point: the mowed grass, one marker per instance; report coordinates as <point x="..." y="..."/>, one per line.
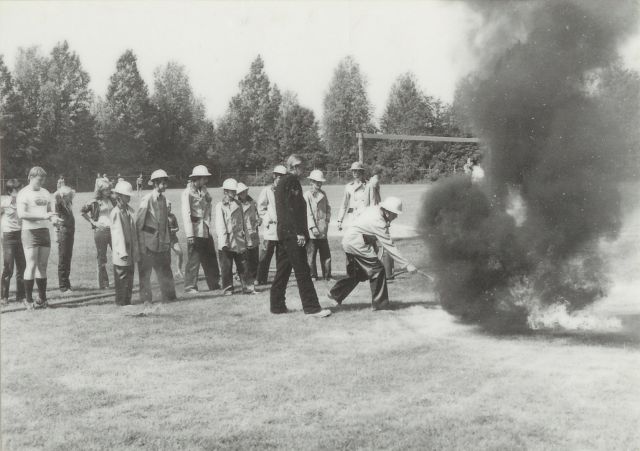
<point x="213" y="372"/>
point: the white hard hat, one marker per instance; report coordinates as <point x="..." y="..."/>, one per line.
<point x="241" y="187"/>
<point x="356" y="166"/>
<point x="392" y="204"/>
<point x="159" y="174"/>
<point x="280" y="170"/>
<point x="200" y="171"/>
<point x="230" y="184"/>
<point x="123" y="187"/>
<point x="317" y="176"/>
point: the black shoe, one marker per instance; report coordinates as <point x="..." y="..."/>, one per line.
<point x="280" y="312"/>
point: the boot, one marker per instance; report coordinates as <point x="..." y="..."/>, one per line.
<point x="28" y="293"/>
<point x="42" y="292"/>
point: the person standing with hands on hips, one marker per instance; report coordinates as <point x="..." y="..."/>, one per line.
<point x="152" y="227"/>
<point x="293" y="233"/>
<point x="197" y="220"/>
<point x="318" y="217"/>
<point x="353" y="200"/>
<point x="97" y="212"/>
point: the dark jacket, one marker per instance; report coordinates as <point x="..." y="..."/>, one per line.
<point x="291" y="208"/>
<point x="68" y="221"/>
<point x="92" y="208"/>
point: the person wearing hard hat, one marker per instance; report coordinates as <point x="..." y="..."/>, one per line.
<point x="252" y="222"/>
<point x="318" y="217"/>
<point x="232" y="244"/>
<point x="269" y="220"/>
<point x="354" y="196"/>
<point x="362" y="259"/>
<point x="154" y="240"/>
<point x="124" y="243"/>
<point x="293" y="233"/>
<point x="197" y="217"/>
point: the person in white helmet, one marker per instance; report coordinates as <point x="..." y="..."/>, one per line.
<point x="197" y="218"/>
<point x="232" y="244"/>
<point x="269" y="220"/>
<point x="293" y="233"/>
<point x="353" y="200"/>
<point x="252" y="222"/>
<point x="362" y="259"/>
<point x="124" y="242"/>
<point x="154" y="240"/>
<point x="318" y="217"/>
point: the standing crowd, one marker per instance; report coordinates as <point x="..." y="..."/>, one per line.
<point x="284" y="221"/>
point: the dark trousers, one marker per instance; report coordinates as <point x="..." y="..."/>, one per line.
<point x="360" y="269"/>
<point x="291" y="256"/>
<point x="253" y="256"/>
<point x="265" y="260"/>
<point x="102" y="239"/>
<point x="13" y="253"/>
<point x="313" y="247"/>
<point x="202" y="252"/>
<point x="123" y="279"/>
<point x="65" y="252"/>
<point x="160" y="262"/>
<point x="227" y="258"/>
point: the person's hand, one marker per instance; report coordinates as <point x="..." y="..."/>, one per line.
<point x="411" y="269"/>
<point x="315" y="231"/>
<point x="125" y="258"/>
<point x="259" y="222"/>
<point x="190" y="240"/>
<point x="301" y="240"/>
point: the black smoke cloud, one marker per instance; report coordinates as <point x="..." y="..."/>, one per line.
<point x="551" y="146"/>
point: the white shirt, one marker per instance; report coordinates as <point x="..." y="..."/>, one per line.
<point x="35" y="202"/>
<point x="10" y="221"/>
<point x="371" y="222"/>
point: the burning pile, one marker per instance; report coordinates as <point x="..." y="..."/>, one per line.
<point x="527" y="236"/>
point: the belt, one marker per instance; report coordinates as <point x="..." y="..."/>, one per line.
<point x="350" y="210"/>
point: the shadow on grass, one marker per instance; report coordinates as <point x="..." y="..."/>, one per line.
<point x="393" y="307"/>
<point x="627" y="337"/>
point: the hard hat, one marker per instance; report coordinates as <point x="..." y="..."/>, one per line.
<point x="159" y="174"/>
<point x="241" y="187"/>
<point x="392" y="204"/>
<point x="200" y="171"/>
<point x="280" y="170"/>
<point x="317" y="175"/>
<point x="123" y="188"/>
<point x="356" y="166"/>
<point x="230" y="184"/>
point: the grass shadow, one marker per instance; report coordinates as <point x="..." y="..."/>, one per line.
<point x="393" y="307"/>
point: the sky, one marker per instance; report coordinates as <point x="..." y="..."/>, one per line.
<point x="300" y="42"/>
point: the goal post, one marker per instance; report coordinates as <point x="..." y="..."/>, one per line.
<point x="389" y="137"/>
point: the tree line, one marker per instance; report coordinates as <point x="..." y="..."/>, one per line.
<point x="50" y="117"/>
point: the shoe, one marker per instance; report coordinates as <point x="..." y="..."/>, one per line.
<point x="329" y="279"/>
<point x="228" y="292"/>
<point x="383" y="306"/>
<point x="4" y="301"/>
<point x="250" y="291"/>
<point x="315" y="279"/>
<point x="280" y="312"/>
<point x="321" y="314"/>
<point x="28" y="305"/>
<point x="39" y="305"/>
<point x="191" y="291"/>
<point x="333" y="300"/>
<point x="216" y="287"/>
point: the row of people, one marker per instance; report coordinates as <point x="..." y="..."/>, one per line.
<point x="237" y="219"/>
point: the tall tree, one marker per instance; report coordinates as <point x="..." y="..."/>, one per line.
<point x="180" y="117"/>
<point x="127" y="122"/>
<point x="246" y="133"/>
<point x="298" y="131"/>
<point x="12" y="139"/>
<point x="346" y="111"/>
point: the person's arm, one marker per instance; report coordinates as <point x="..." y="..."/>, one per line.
<point x="328" y="209"/>
<point x="385" y="240"/>
<point x="263" y="207"/>
<point x="310" y="218"/>
<point x="345" y="205"/>
<point x="221" y="229"/>
<point x="185" y="207"/>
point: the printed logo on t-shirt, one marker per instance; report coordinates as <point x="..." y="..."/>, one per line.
<point x="41" y="202"/>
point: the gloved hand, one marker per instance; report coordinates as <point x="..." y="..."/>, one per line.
<point x="411" y="269"/>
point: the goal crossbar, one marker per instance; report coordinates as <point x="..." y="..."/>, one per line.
<point x="389" y="137"/>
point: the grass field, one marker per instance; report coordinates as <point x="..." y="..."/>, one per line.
<point x="214" y="372"/>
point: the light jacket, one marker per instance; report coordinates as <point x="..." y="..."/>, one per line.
<point x="124" y="239"/>
<point x="372" y="192"/>
<point x="148" y="224"/>
<point x="318" y="213"/>
<point x="370" y="226"/>
<point x="230" y="228"/>
<point x="353" y="199"/>
<point x="197" y="212"/>
<point x="250" y="210"/>
<point x="267" y="211"/>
